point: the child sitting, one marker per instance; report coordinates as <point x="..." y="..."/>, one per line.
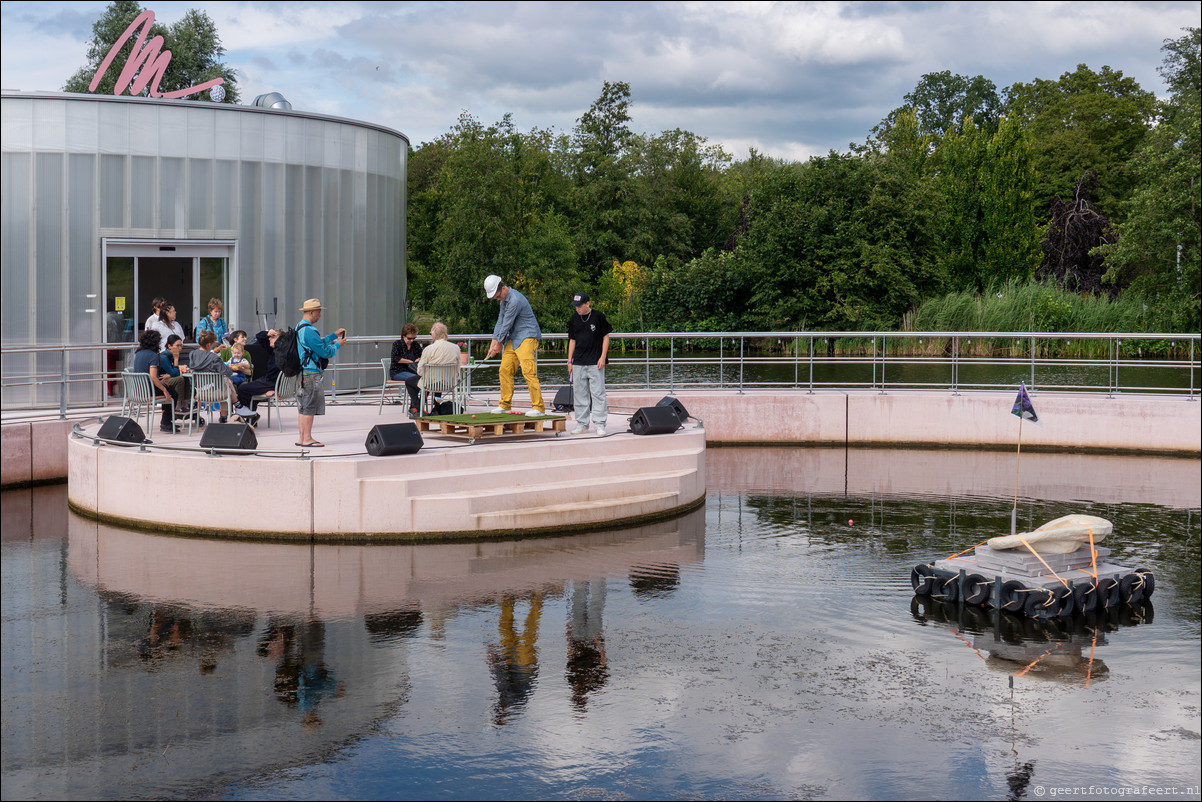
<point x="239" y="363"/>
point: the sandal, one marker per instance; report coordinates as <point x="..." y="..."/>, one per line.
<point x="314" y="444"/>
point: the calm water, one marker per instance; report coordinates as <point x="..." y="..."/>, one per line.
<point x="764" y="647"/>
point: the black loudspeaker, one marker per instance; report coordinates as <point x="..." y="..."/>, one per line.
<point x="677" y="407"/>
<point x="387" y="439"/>
<point x="123" y="430"/>
<point x="229" y="435"/>
<point x="654" y="420"/>
<point x="563" y="400"/>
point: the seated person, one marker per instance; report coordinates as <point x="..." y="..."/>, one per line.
<point x="439" y="352"/>
<point x="405" y="354"/>
<point x="245" y="370"/>
<point x="239" y="362"/>
<point x="146" y="360"/>
<point x="175" y="375"/>
<point x="203" y="360"/>
<point x="264" y="385"/>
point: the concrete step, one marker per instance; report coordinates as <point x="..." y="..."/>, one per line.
<point x="501" y="474"/>
<point x="576" y="513"/>
<point x="431" y="510"/>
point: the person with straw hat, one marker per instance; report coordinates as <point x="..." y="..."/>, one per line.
<point x="313" y="349"/>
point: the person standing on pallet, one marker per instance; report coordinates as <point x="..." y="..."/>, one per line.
<point x="315" y="351"/>
<point x="588" y="349"/>
<point x="515" y="337"/>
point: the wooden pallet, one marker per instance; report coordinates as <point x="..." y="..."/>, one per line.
<point x="509" y="428"/>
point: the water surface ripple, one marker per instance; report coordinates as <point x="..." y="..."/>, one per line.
<point x="767" y="646"/>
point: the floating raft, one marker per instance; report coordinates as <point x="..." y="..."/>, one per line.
<point x="492" y="425"/>
<point x="1019" y="582"/>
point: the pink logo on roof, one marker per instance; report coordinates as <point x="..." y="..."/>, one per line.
<point x="146" y="65"/>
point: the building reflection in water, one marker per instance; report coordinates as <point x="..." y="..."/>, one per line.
<point x="241" y="658"/>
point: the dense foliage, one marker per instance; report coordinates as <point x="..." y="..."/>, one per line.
<point x="1081" y="185"/>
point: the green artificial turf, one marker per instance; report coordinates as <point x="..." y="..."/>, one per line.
<point x="488" y="417"/>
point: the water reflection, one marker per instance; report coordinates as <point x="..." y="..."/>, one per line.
<point x="766" y="646"/>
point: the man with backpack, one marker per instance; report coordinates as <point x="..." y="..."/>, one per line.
<point x="315" y="351"/>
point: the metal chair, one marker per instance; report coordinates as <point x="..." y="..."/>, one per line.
<point x="441" y="380"/>
<point x="285" y="392"/>
<point x="386" y="363"/>
<point x="139" y="391"/>
<point x="207" y="388"/>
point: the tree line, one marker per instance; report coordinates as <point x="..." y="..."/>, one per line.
<point x="1087" y="184"/>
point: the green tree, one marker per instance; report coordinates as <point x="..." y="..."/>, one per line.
<point x="941" y="101"/>
<point x="601" y="209"/>
<point x="1084" y="121"/>
<point x="1159" y="248"/>
<point x="986" y="184"/>
<point x="195" y="46"/>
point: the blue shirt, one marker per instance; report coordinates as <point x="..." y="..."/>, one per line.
<point x="165" y="366"/>
<point x="220" y="328"/>
<point x="516" y="320"/>
<point x="313" y="346"/>
<point x="145" y="359"/>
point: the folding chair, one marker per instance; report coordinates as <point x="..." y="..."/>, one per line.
<point x="139" y="391"/>
<point x="386" y="363"/>
<point x="442" y="380"/>
<point x="285" y="392"/>
<point x="207" y="388"/>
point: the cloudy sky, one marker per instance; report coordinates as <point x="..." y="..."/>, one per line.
<point x="789" y="79"/>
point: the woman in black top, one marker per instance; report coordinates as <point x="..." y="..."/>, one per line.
<point x="405" y="355"/>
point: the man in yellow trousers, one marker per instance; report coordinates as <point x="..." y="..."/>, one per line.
<point x="515" y="337"/>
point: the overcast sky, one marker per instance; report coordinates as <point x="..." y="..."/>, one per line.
<point x="790" y="79"/>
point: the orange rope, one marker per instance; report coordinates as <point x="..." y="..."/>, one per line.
<point x="1033" y="663"/>
<point x="970" y="548"/>
<point x="1093" y="556"/>
<point x="1023" y="540"/>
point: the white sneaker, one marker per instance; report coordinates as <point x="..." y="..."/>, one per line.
<point x="534" y="413"/>
<point x="600" y="431"/>
<point x="245" y="412"/>
<point x="498" y="410"/>
<point x="580" y="430"/>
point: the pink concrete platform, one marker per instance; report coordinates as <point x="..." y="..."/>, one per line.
<point x="539" y="483"/>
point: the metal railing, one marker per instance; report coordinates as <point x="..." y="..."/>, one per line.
<point x="62" y="378"/>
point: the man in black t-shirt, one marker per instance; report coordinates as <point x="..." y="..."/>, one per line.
<point x="588" y="349"/>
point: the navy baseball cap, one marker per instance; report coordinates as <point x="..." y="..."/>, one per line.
<point x="580" y="298"/>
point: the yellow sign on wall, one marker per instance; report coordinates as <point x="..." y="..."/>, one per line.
<point x="119" y="303"/>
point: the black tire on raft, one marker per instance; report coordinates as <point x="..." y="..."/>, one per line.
<point x="1012" y="597"/>
<point x="1108" y="592"/>
<point x="1131" y="589"/>
<point x="946" y="590"/>
<point x="1085" y="596"/>
<point x="1064" y="597"/>
<point x="1149" y="581"/>
<point x="1041" y="603"/>
<point x="976" y="589"/>
<point x="922" y="579"/>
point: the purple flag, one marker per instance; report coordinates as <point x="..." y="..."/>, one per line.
<point x="1023" y="407"/>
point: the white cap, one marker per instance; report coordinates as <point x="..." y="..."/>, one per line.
<point x="491" y="285"/>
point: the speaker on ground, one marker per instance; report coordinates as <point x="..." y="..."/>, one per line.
<point x="677" y="407"/>
<point x="123" y="430"/>
<point x="237" y="436"/>
<point x="654" y="420"/>
<point x="387" y="439"/>
<point x="563" y="400"/>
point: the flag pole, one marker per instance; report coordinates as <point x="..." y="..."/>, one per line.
<point x="1017" y="458"/>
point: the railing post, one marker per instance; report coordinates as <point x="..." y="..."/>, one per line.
<point x="672" y="363"/>
<point x="62" y="384"/>
<point x="647" y="362"/>
<point x="955" y="364"/>
<point x="742" y="340"/>
<point x="884" y="342"/>
<point x="811" y="365"/>
<point x="1032" y="361"/>
<point x="721" y="362"/>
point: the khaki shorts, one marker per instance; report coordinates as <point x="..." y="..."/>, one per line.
<point x="311" y="394"/>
